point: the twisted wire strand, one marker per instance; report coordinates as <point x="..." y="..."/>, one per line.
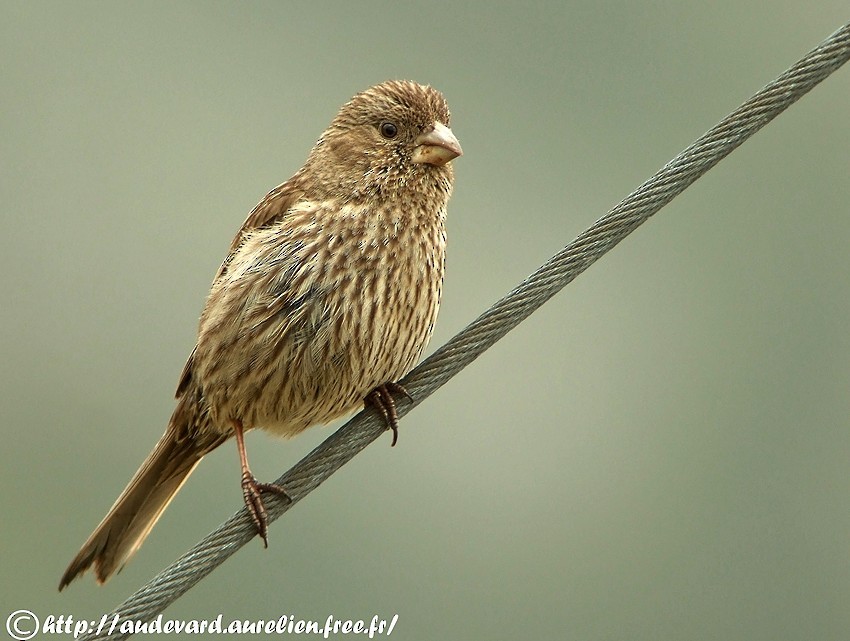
<point x="494" y="323"/>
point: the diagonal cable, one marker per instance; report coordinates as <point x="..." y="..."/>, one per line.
<point x="493" y="324"/>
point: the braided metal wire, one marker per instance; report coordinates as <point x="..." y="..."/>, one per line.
<point x="494" y="323"/>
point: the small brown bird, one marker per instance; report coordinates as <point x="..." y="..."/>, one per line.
<point x="328" y="296"/>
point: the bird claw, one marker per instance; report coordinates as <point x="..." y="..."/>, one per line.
<point x="252" y="494"/>
<point x="382" y="398"/>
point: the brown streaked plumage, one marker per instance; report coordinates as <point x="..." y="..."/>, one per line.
<point x="328" y="296"/>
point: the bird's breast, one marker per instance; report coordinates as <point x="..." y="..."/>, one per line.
<point x="388" y="267"/>
<point x="317" y="311"/>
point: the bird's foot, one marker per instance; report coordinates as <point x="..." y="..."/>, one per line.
<point x="382" y="398"/>
<point x="252" y="492"/>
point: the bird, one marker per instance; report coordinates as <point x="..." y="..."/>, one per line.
<point x="327" y="297"/>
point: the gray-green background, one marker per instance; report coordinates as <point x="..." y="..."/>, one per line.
<point x="662" y="452"/>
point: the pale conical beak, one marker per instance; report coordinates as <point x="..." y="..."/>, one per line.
<point x="436" y="146"/>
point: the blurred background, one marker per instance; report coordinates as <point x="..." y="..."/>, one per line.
<point x="661" y="452"/>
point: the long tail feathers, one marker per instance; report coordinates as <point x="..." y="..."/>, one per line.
<point x="137" y="509"/>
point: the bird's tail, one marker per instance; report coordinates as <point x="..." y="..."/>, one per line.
<point x="137" y="509"/>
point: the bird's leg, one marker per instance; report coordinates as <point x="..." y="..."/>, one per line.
<point x="382" y="398"/>
<point x="252" y="489"/>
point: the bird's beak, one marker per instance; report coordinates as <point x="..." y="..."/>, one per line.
<point x="436" y="146"/>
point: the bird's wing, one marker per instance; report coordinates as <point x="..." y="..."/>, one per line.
<point x="271" y="208"/>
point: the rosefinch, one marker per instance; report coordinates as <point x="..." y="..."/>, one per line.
<point x="328" y="295"/>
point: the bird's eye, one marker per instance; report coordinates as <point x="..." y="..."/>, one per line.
<point x="388" y="130"/>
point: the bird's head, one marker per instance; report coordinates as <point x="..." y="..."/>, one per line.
<point x="388" y="140"/>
